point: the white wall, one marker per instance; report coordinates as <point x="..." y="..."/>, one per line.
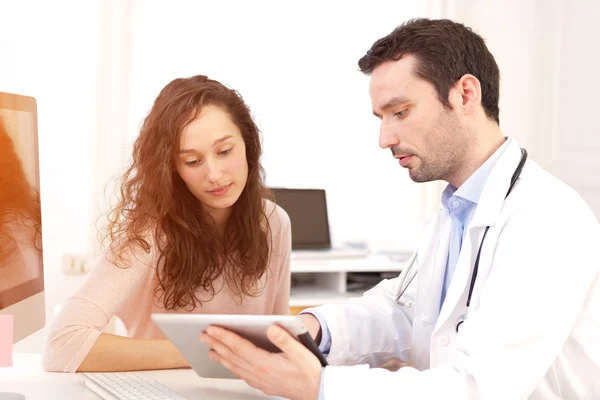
<point x="549" y="91"/>
<point x="296" y="66"/>
<point x="575" y="137"/>
<point x="48" y="50"/>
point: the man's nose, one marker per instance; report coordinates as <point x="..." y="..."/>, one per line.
<point x="387" y="137"/>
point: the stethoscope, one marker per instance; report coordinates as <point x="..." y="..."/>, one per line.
<point x="409" y="273"/>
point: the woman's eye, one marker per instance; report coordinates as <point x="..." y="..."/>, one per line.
<point x="225" y="152"/>
<point x="192" y="163"/>
<point x="400" y="114"/>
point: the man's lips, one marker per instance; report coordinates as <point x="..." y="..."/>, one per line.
<point x="404" y="159"/>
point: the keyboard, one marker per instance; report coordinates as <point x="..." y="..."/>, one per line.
<point x="128" y="386"/>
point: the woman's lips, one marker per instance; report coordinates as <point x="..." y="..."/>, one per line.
<point x="220" y="191"/>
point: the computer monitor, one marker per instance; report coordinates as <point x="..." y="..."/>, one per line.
<point x="307" y="209"/>
<point x="21" y="264"/>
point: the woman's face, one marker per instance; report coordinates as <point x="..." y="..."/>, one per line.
<point x="212" y="161"/>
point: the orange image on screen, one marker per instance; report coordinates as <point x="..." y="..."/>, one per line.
<point x="20" y="225"/>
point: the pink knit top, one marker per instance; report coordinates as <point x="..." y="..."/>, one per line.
<point x="129" y="294"/>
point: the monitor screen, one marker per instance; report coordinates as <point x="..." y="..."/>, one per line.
<point x="21" y="266"/>
<point x="307" y="209"/>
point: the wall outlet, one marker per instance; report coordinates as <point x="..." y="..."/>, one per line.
<point x="76" y="264"/>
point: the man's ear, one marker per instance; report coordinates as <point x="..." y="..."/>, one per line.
<point x="466" y="94"/>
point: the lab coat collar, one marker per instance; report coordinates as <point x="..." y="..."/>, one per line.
<point x="495" y="188"/>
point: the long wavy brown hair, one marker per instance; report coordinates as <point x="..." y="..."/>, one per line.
<point x="155" y="200"/>
<point x="19" y="200"/>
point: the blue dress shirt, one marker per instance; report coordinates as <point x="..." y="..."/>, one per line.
<point x="461" y="204"/>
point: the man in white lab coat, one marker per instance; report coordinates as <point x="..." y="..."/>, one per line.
<point x="515" y="315"/>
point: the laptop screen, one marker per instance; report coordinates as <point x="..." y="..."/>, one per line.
<point x="307" y="209"/>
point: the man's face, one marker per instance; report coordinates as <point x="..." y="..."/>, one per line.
<point x="427" y="138"/>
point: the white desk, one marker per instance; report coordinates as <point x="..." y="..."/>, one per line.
<point x="325" y="279"/>
<point x="27" y="377"/>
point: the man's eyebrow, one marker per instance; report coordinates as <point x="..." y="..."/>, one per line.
<point x="393" y="102"/>
<point x="216" y="142"/>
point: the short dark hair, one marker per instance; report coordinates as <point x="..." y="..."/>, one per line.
<point x="445" y="51"/>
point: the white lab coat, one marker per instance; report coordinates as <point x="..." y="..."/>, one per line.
<point x="533" y="328"/>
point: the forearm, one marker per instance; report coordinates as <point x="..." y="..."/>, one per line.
<point x="117" y="353"/>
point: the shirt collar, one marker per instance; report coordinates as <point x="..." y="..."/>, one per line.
<point x="473" y="187"/>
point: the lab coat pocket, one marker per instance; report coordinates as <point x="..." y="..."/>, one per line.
<point x="421" y="342"/>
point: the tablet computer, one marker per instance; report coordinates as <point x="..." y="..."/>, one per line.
<point x="184" y="330"/>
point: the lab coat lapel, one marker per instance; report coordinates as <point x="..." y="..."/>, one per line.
<point x="458" y="290"/>
<point x="433" y="254"/>
<point x="432" y="262"/>
<point x="487" y="212"/>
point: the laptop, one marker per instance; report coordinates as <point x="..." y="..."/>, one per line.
<point x="311" y="238"/>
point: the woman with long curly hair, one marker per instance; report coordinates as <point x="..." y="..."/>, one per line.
<point x="193" y="232"/>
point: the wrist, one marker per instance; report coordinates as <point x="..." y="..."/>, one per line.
<point x="315" y="394"/>
<point x="313" y="326"/>
<point x="319" y="336"/>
